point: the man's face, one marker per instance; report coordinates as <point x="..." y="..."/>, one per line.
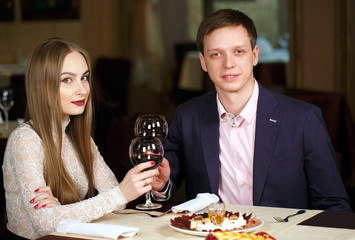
<point x="229" y="59"/>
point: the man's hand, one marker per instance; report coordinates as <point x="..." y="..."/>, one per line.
<point x="162" y="178"/>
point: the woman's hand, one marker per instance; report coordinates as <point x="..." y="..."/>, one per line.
<point x="44" y="198"/>
<point x="137" y="181"/>
<point x="163" y="177"/>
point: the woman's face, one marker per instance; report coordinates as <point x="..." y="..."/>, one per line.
<point x="74" y="85"/>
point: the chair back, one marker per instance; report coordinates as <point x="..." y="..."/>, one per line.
<point x="119" y="137"/>
<point x="112" y="76"/>
<point x="17" y="83"/>
<point x="339" y="123"/>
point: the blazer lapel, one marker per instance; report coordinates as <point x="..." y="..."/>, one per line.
<point x="267" y="125"/>
<point x="209" y="127"/>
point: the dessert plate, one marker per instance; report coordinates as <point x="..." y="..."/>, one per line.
<point x="205" y="233"/>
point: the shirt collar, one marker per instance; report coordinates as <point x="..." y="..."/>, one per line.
<point x="249" y="111"/>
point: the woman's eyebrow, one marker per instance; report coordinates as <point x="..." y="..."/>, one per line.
<point x="69" y="73"/>
<point x="74" y="74"/>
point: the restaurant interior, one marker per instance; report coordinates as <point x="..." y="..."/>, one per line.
<point x="145" y="60"/>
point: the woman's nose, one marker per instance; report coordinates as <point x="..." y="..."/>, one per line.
<point x="81" y="89"/>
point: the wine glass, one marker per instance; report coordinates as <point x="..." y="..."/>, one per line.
<point x="6" y="102"/>
<point x="151" y="125"/>
<point x="146" y="149"/>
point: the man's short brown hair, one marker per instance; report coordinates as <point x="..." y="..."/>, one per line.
<point x="224" y="18"/>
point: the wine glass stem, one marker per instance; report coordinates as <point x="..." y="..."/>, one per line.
<point x="148" y="201"/>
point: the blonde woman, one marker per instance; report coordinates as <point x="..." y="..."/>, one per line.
<point x="52" y="168"/>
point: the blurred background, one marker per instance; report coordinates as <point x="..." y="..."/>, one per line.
<point x="145" y="59"/>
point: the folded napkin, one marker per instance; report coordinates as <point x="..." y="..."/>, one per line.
<point x="95" y="229"/>
<point x="202" y="201"/>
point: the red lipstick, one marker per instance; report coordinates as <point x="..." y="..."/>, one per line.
<point x="79" y="103"/>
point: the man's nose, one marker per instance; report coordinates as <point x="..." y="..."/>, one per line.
<point x="229" y="61"/>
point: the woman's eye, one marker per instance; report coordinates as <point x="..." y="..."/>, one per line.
<point x="85" y="78"/>
<point x="66" y="80"/>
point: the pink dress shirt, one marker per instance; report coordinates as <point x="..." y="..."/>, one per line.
<point x="236" y="140"/>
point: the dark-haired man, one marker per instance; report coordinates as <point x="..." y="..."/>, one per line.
<point x="244" y="143"/>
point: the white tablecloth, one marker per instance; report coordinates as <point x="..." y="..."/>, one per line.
<point x="157" y="228"/>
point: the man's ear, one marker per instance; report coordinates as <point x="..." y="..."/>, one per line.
<point x="202" y="61"/>
<point x="255" y="55"/>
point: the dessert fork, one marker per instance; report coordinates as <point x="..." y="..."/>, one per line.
<point x="150" y="213"/>
<point x="279" y="219"/>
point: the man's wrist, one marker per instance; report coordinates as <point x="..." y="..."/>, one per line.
<point x="164" y="193"/>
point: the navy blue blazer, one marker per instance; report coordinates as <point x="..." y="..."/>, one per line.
<point x="294" y="162"/>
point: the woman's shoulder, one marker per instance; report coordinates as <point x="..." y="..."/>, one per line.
<point x="22" y="143"/>
<point x="25" y="132"/>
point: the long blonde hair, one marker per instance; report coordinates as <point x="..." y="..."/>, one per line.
<point x="44" y="110"/>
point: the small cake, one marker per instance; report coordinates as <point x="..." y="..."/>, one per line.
<point x="238" y="235"/>
<point x="205" y="224"/>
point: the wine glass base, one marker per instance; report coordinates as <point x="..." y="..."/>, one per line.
<point x="151" y="206"/>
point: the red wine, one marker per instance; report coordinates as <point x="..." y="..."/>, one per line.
<point x="141" y="158"/>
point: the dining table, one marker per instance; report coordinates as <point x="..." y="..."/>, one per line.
<point x="313" y="224"/>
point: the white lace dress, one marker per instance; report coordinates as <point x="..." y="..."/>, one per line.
<point x="23" y="173"/>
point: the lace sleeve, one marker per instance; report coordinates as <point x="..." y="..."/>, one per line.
<point x="23" y="173"/>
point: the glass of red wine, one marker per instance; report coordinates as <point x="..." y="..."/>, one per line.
<point x="151" y="125"/>
<point x="146" y="149"/>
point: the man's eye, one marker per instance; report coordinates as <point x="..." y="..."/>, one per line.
<point x="66" y="80"/>
<point x="215" y="54"/>
<point x="239" y="52"/>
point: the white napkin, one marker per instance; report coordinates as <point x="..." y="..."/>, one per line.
<point x="202" y="200"/>
<point x="96" y="229"/>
